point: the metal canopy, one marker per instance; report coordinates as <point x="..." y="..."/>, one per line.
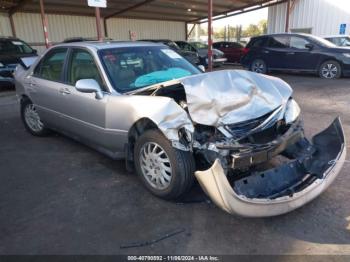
<point x="192" y="11"/>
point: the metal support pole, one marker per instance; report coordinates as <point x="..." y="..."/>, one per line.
<point x="12" y="23"/>
<point x="210" y="32"/>
<point x="98" y="24"/>
<point x="287" y="16"/>
<point x="190" y="32"/>
<point x="105" y="27"/>
<point x="44" y="23"/>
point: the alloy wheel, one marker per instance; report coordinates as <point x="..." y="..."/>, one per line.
<point x="155" y="165"/>
<point x="329" y="70"/>
<point x="32" y="118"/>
<point x="258" y="67"/>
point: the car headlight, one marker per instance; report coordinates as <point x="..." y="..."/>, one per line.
<point x="1" y="65"/>
<point x="346" y="55"/>
<point x="292" y="111"/>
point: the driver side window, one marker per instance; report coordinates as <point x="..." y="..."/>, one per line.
<point x="82" y="66"/>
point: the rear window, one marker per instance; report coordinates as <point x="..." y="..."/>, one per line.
<point x="279" y="42"/>
<point x="257" y="42"/>
<point x="14" y="47"/>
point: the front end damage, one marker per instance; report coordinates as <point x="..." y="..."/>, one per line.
<point x="310" y="170"/>
<point x="247" y="138"/>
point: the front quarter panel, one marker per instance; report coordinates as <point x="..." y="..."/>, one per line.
<point x="124" y="110"/>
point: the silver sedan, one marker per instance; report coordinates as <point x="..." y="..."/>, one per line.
<point x="173" y="124"/>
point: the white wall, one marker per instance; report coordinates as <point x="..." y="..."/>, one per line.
<point x="322" y="16"/>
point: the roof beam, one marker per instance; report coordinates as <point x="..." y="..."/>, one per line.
<point x="18" y="6"/>
<point x="128" y="8"/>
<point x="260" y="5"/>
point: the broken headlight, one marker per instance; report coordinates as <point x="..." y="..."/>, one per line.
<point x="292" y="111"/>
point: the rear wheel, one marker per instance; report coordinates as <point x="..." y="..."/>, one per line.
<point x="259" y="66"/>
<point x="166" y="171"/>
<point x="330" y="70"/>
<point x="31" y="119"/>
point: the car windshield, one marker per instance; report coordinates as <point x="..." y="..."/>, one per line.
<point x="14" y="47"/>
<point x="340" y="41"/>
<point x="321" y="41"/>
<point x="132" y="68"/>
<point x="199" y="45"/>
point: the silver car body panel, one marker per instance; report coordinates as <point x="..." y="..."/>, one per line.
<point x="233" y="96"/>
<point x="215" y="184"/>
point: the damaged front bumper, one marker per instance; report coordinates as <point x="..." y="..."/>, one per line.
<point x="284" y="188"/>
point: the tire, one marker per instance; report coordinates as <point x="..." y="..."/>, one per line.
<point x="178" y="166"/>
<point x="31" y="119"/>
<point x="330" y="70"/>
<point x="258" y="66"/>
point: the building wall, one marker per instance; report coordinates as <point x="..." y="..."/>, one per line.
<point x="119" y="28"/>
<point x="323" y="17"/>
<point x="29" y="28"/>
<point x="5" y="27"/>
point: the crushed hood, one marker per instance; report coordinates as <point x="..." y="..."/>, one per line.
<point x="233" y="96"/>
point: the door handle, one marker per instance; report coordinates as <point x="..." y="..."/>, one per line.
<point x="64" y="91"/>
<point x="290" y="53"/>
<point x="266" y="52"/>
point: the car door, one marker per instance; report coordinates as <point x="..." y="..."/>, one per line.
<point x="276" y="52"/>
<point x="84" y="114"/>
<point x="300" y="57"/>
<point x="45" y="85"/>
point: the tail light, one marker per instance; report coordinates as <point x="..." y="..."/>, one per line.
<point x="245" y="50"/>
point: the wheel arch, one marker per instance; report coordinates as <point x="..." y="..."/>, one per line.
<point x="325" y="59"/>
<point x="135" y="131"/>
<point x="23" y="98"/>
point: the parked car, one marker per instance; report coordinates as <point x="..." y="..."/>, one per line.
<point x="84" y="39"/>
<point x="171" y="122"/>
<point x="11" y="51"/>
<point x="192" y="57"/>
<point x="233" y="51"/>
<point x="339" y="40"/>
<point x="296" y="52"/>
<point x="202" y="51"/>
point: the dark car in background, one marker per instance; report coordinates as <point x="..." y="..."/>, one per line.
<point x="233" y="50"/>
<point x="296" y="52"/>
<point x="339" y="40"/>
<point x="190" y="56"/>
<point x="13" y="51"/>
<point x="202" y="51"/>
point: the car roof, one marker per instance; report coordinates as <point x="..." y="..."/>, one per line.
<point x="282" y="34"/>
<point x="333" y="36"/>
<point x="99" y="45"/>
<point x="8" y="38"/>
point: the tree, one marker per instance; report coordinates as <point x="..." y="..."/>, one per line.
<point x="263" y="26"/>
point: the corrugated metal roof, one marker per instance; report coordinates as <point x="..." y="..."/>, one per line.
<point x="175" y="10"/>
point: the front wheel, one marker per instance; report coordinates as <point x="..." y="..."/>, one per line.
<point x="330" y="70"/>
<point x="31" y="119"/>
<point x="165" y="171"/>
<point x="259" y="66"/>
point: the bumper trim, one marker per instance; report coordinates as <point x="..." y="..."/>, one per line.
<point x="217" y="187"/>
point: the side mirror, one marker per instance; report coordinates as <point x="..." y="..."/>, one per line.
<point x="202" y="68"/>
<point x="34" y="51"/>
<point x="89" y="86"/>
<point x="309" y="46"/>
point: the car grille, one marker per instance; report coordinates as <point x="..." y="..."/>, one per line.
<point x="241" y="130"/>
